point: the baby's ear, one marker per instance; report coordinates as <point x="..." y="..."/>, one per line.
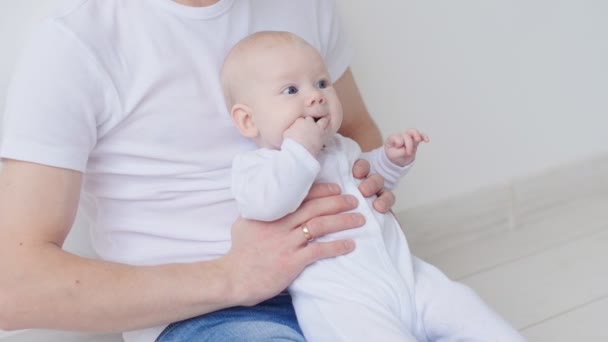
<point x="241" y="116"/>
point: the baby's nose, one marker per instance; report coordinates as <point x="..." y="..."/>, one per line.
<point x="316" y="98"/>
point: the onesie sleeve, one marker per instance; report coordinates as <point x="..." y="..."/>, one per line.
<point x="56" y="100"/>
<point x="378" y="160"/>
<point x="380" y="164"/>
<point x="334" y="44"/>
<point x="269" y="184"/>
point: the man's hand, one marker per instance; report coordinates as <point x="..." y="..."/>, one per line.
<point x="373" y="186"/>
<point x="308" y="133"/>
<point x="401" y="147"/>
<point x="266" y="257"/>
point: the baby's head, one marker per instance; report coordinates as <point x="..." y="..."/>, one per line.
<point x="271" y="79"/>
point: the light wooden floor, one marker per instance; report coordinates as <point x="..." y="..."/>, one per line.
<point x="542" y="264"/>
<point x="548" y="276"/>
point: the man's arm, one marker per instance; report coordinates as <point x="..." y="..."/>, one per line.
<point x="357" y="124"/>
<point x="43" y="286"/>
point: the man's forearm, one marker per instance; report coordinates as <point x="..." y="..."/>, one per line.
<point x="366" y="134"/>
<point x="50" y="288"/>
<point x="357" y="123"/>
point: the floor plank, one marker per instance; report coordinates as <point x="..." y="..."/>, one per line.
<point x="530" y="290"/>
<point x="586" y="323"/>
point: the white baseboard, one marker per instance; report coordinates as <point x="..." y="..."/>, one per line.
<point x="513" y="205"/>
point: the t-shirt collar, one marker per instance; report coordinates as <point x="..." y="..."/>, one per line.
<point x="207" y="12"/>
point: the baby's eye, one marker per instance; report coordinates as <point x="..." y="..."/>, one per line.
<point x="322" y="84"/>
<point x="290" y="90"/>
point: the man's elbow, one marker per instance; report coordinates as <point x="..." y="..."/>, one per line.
<point x="7" y="310"/>
<point x="13" y="295"/>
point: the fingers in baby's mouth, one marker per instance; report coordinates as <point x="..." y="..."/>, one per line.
<point x="322" y="122"/>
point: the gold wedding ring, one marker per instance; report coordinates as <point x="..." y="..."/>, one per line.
<point x="307" y="234"/>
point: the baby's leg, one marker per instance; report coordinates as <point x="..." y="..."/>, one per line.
<point x="361" y="296"/>
<point x="344" y="321"/>
<point x="450" y="311"/>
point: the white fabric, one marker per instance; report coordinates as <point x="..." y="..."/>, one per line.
<point x="128" y="92"/>
<point x="269" y="184"/>
<point x="379" y="292"/>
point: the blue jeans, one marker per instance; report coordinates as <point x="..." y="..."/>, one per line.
<point x="272" y="320"/>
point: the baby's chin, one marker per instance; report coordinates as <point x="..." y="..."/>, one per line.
<point x="261" y="143"/>
<point x="334" y="126"/>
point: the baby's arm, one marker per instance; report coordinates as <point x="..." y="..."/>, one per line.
<point x="269" y="184"/>
<point x="393" y="160"/>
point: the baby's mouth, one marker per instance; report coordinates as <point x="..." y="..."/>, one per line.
<point x="320" y="117"/>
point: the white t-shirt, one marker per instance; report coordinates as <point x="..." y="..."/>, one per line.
<point x="128" y="92"/>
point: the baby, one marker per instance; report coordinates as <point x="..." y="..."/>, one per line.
<point x="279" y="94"/>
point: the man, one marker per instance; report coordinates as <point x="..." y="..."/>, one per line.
<point x="120" y="101"/>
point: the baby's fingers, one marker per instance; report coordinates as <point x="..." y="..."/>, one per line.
<point x="408" y="141"/>
<point x="395" y="140"/>
<point x="323" y="123"/>
<point x="415" y="134"/>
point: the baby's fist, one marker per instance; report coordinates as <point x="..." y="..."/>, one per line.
<point x="401" y="147"/>
<point x="308" y="133"/>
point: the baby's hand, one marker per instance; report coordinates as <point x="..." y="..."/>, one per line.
<point x="308" y="133"/>
<point x="401" y="148"/>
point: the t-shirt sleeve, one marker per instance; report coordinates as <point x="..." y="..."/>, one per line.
<point x="56" y="100"/>
<point x="334" y="44"/>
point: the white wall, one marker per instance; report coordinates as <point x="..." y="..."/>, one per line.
<point x="504" y="88"/>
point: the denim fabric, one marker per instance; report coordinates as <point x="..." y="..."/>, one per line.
<point x="272" y="320"/>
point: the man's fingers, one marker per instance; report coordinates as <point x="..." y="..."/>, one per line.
<point x="323" y="225"/>
<point x="361" y="169"/>
<point x="322" y="250"/>
<point x="320" y="207"/>
<point x="372" y="185"/>
<point x="319" y="190"/>
<point x="384" y="202"/>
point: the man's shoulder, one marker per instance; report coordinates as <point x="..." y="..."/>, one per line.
<point x="67" y="8"/>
